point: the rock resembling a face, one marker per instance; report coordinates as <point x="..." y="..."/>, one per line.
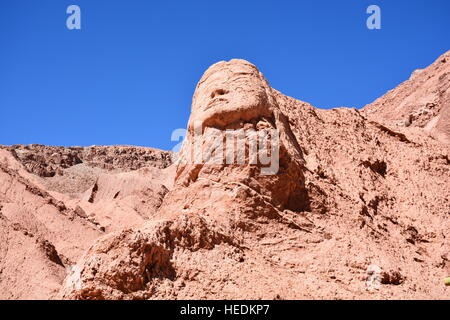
<point x="229" y="92"/>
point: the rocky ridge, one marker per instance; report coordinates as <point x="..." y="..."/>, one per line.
<point x="358" y="208"/>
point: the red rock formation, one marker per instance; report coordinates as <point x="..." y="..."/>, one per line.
<point x="46" y="219"/>
<point x="423" y="101"/>
<point x="354" y="207"/>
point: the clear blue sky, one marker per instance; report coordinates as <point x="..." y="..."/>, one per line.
<point x="127" y="77"/>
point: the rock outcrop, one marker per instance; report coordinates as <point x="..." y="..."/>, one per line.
<point x="423" y="101"/>
<point x="269" y="198"/>
<point x="49" y="220"/>
<point x="47" y="161"/>
<point x="348" y="195"/>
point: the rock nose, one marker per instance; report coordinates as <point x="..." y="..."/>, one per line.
<point x="229" y="92"/>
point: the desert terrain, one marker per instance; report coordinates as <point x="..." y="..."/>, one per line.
<point x="358" y="208"/>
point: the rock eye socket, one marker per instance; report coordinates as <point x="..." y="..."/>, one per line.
<point x="218" y="92"/>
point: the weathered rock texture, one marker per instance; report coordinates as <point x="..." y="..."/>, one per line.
<point x="359" y="208"/>
<point x="55" y="202"/>
<point x="423" y="101"/>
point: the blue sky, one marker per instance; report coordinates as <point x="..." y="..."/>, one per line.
<point x="127" y="77"/>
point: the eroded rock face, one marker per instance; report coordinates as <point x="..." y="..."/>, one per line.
<point x="134" y="264"/>
<point x="353" y="208"/>
<point x="234" y="197"/>
<point x="343" y="198"/>
<point x="47" y="161"/>
<point x="56" y="201"/>
<point x="423" y="101"/>
<point x="230" y="92"/>
<point x="246" y="112"/>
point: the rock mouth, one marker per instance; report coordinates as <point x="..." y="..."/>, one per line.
<point x="215" y="102"/>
